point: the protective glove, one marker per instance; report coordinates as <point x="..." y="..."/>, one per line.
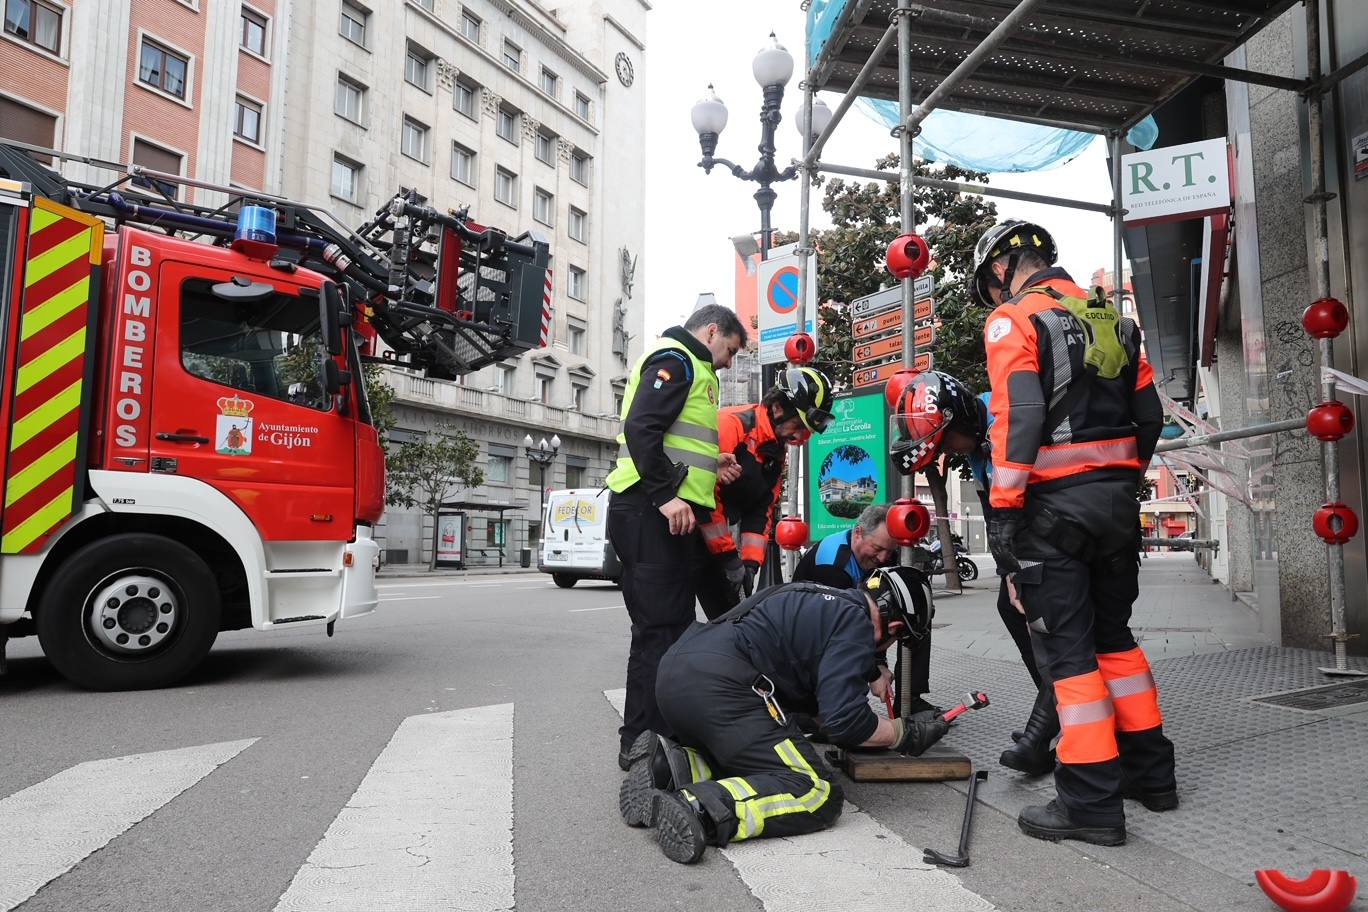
<point x="913" y="737"/>
<point x="748" y="583"/>
<point x="1002" y="533"/>
<point x="735" y="573"/>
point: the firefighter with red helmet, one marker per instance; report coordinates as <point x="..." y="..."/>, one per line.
<point x="1075" y="422"/>
<point x="759" y="435"/>
<point x="937" y="414"/>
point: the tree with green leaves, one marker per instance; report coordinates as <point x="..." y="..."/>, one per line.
<point x="424" y="473"/>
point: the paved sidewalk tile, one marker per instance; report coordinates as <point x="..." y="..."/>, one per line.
<point x="1261" y="785"/>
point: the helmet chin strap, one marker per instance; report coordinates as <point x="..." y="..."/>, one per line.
<point x="1009" y="275"/>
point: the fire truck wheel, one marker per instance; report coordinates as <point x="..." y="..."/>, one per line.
<point x="564" y="580"/>
<point x="129" y="612"/>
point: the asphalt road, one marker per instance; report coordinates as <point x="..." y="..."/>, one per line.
<point x="284" y="727"/>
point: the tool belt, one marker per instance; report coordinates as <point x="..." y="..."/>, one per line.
<point x="1063" y="533"/>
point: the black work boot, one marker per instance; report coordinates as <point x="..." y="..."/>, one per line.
<point x="684" y="825"/>
<point x="1052" y="822"/>
<point x="1157" y="800"/>
<point x="657" y="764"/>
<point x="1031" y="754"/>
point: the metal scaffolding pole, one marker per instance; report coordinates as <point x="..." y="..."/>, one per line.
<point x="1116" y="218"/>
<point x="1254" y="430"/>
<point x="906" y="190"/>
<point x="870" y="65"/>
<point x="805" y="277"/>
<point x="936" y="183"/>
<point x="986" y="48"/>
<point x="1320" y="269"/>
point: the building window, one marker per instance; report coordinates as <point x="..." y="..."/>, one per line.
<point x="413" y="142"/>
<point x="504" y="381"/>
<point x="156" y="158"/>
<point x="506" y="187"/>
<point x="550" y="82"/>
<point x="416" y="66"/>
<point x="579" y="226"/>
<point x="512" y="56"/>
<point x="162" y="69"/>
<point x="349" y="101"/>
<point x="582" y="106"/>
<point x="546" y="148"/>
<point x="578" y="393"/>
<point x="507" y="126"/>
<point x="579" y="168"/>
<point x="247" y="124"/>
<point x="545" y="387"/>
<point x="574" y="475"/>
<point x="462" y="164"/>
<point x="346" y="179"/>
<point x="577" y="283"/>
<point x="544" y="207"/>
<point x="253" y="32"/>
<point x="425" y="4"/>
<point x="354" y="20"/>
<point x="576" y="330"/>
<point x="500" y="469"/>
<point x="18" y="121"/>
<point x="37" y="23"/>
<point x="463" y="98"/>
<point x="470" y="26"/>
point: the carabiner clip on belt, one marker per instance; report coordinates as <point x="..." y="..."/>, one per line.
<point x="764" y="689"/>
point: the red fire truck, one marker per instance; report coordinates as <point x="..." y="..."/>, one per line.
<point x="186" y="441"/>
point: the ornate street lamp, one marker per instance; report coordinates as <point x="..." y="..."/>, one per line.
<point x="773" y="68"/>
<point x="543" y="454"/>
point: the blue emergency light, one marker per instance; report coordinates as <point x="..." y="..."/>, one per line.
<point x="256" y="232"/>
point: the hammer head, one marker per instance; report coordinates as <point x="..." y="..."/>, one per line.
<point x="976" y="700"/>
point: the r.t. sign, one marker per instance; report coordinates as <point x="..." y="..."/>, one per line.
<point x="1176" y="183"/>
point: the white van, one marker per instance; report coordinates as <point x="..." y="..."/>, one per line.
<point x="574" y="542"/>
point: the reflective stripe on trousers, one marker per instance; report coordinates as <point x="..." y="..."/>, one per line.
<point x="752" y="812"/>
<point x="1131" y="685"/>
<point x="1087" y="721"/>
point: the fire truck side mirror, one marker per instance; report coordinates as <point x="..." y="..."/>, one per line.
<point x="330" y="318"/>
<point x="335" y="379"/>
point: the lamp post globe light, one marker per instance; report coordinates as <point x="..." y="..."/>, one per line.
<point x="773" y="68"/>
<point x="543" y="454"/>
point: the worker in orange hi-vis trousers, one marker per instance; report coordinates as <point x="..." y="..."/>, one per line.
<point x="1076" y="419"/>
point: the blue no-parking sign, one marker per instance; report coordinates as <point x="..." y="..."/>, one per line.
<point x="778" y="278"/>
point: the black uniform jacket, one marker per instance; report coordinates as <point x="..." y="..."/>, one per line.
<point x="816" y="644"/>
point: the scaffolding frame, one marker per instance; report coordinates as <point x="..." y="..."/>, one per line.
<point x="1312" y="90"/>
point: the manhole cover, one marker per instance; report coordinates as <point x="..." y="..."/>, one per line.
<point x="1328" y="697"/>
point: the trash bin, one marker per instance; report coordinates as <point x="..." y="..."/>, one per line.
<point x="526" y="557"/>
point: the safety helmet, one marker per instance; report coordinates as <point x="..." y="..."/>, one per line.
<point x="1011" y="236"/>
<point x="902" y="594"/>
<point x="933" y="403"/>
<point x="806" y="392"/>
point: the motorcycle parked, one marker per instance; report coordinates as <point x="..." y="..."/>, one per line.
<point x="968" y="570"/>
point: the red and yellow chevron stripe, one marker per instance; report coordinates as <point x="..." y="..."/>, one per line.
<point x="43" y="464"/>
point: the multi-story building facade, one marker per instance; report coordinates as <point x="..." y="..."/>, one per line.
<point x="501" y="106"/>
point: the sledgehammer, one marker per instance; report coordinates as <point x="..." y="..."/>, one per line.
<point x="961" y="860"/>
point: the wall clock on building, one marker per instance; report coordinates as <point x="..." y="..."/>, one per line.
<point x="624" y="69"/>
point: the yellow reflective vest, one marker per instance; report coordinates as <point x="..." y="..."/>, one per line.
<point x="691" y="441"/>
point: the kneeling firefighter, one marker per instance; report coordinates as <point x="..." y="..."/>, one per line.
<point x="728" y="687"/>
<point x="758" y="435"/>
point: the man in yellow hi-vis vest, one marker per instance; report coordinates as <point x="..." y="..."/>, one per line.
<point x="668" y="465"/>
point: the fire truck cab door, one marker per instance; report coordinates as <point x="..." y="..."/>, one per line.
<point x="238" y="401"/>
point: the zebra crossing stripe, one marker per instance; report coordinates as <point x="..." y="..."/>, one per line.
<point x="47" y="828"/>
<point x="856" y="864"/>
<point x="430" y="827"/>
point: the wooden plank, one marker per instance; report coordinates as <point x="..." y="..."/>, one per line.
<point x="938" y="764"/>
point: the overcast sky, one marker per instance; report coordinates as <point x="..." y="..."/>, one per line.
<point x="691" y="216"/>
